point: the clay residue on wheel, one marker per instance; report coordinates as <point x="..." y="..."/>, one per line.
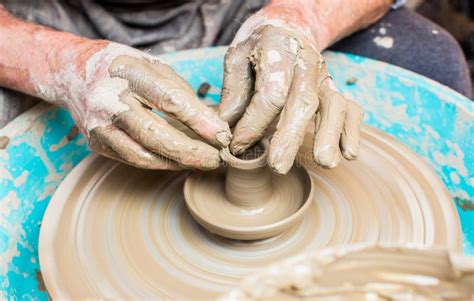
<point x="362" y="272"/>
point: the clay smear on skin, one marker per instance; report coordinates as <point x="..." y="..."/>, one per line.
<point x="287" y="65"/>
<point x="105" y="93"/>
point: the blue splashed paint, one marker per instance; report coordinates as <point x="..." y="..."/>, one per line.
<point x="432" y="120"/>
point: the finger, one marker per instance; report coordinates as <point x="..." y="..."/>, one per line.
<point x="296" y="115"/>
<point x="116" y="144"/>
<point x="238" y="83"/>
<point x="274" y="66"/>
<point x="329" y="124"/>
<point x="161" y="88"/>
<point x="156" y="135"/>
<point x="350" y="137"/>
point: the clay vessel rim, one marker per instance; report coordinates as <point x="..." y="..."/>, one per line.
<point x="236" y="162"/>
<point x="287" y="220"/>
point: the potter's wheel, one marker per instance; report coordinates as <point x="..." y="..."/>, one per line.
<point x="246" y="200"/>
<point x="115" y="231"/>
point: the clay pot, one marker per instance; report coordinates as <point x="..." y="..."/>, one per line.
<point x="246" y="200"/>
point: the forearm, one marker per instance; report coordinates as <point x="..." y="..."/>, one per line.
<point x="324" y="21"/>
<point x="31" y="56"/>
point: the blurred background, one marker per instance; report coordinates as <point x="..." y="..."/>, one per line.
<point x="456" y="16"/>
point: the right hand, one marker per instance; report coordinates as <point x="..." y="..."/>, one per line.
<point x="112" y="107"/>
<point x="276" y="72"/>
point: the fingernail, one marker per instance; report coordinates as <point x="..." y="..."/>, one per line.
<point x="278" y="164"/>
<point x="203" y="159"/>
<point x="327" y="156"/>
<point x="224" y="138"/>
<point x="214" y="164"/>
<point x="280" y="167"/>
<point x="237" y="149"/>
<point x="211" y="163"/>
<point x="350" y="153"/>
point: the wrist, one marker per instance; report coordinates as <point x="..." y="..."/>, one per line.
<point x="323" y="21"/>
<point x="75" y="53"/>
<point x="40" y="61"/>
<point x="84" y="84"/>
<point x="301" y="15"/>
<point x="296" y="15"/>
<point x="63" y="74"/>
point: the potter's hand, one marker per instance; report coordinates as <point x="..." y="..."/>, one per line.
<point x="277" y="69"/>
<point x="112" y="106"/>
<point x="109" y="90"/>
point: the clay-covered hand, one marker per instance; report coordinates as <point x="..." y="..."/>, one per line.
<point x="273" y="70"/>
<point x="112" y="106"/>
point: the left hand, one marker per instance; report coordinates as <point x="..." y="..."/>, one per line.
<point x="274" y="68"/>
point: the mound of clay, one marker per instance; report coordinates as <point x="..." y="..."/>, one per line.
<point x="247" y="201"/>
<point x="363" y="272"/>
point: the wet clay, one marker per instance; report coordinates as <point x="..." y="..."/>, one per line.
<point x="248" y="201"/>
<point x="141" y="138"/>
<point x="363" y="272"/>
<point x="276" y="73"/>
<point x="113" y="231"/>
<point x="172" y="95"/>
<point x="110" y="96"/>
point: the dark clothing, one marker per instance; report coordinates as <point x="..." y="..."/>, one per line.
<point x="419" y="45"/>
<point x="157" y="25"/>
<point x="401" y="37"/>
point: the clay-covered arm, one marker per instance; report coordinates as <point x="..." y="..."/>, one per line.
<point x="327" y="21"/>
<point x="274" y="69"/>
<point x="109" y="90"/>
<point x="30" y="53"/>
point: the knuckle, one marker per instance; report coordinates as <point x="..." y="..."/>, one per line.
<point x="339" y="102"/>
<point x="273" y="103"/>
<point x="359" y="110"/>
<point x="119" y="119"/>
<point x="225" y="93"/>
<point x="176" y="102"/>
<point x="231" y="57"/>
<point x="96" y="147"/>
<point x="354" y="108"/>
<point x="118" y="66"/>
<point x="272" y="94"/>
<point x="276" y="96"/>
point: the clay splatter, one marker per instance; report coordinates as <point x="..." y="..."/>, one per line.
<point x="385" y="42"/>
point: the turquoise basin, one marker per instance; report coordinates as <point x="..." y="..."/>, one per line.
<point x="431" y="119"/>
